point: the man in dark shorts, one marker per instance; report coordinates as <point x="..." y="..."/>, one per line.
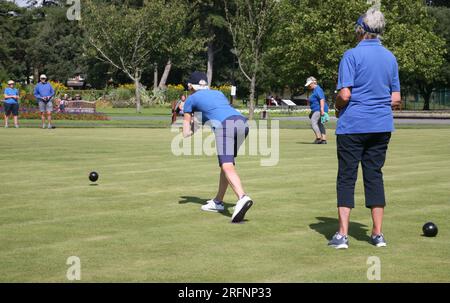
<point x="11" y="103"/>
<point x="230" y="128"/>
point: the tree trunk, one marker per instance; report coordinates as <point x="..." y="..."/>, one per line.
<point x="155" y="78"/>
<point x="35" y="75"/>
<point x="251" y="109"/>
<point x="165" y="75"/>
<point x="426" y="93"/>
<point x="137" y="87"/>
<point x="209" y="72"/>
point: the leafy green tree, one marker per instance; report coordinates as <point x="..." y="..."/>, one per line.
<point x="57" y="46"/>
<point x="312" y="36"/>
<point x="8" y="29"/>
<point x="210" y="16"/>
<point x="419" y="51"/>
<point x="249" y="23"/>
<point x="310" y="39"/>
<point x="442" y="29"/>
<point x="185" y="42"/>
<point x="127" y="37"/>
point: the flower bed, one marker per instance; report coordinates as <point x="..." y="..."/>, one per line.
<point x="33" y="113"/>
<point x="65" y="116"/>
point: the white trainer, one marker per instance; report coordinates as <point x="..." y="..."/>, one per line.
<point x="241" y="208"/>
<point x="213" y="206"/>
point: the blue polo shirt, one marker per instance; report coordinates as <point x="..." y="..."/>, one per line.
<point x="371" y="71"/>
<point x="11" y="92"/>
<point x="314" y="99"/>
<point x="43" y="90"/>
<point x="213" y="105"/>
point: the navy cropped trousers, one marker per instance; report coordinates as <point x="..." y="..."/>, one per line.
<point x="369" y="150"/>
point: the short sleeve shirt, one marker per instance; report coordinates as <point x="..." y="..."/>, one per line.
<point x="371" y="72"/>
<point x="11" y="92"/>
<point x="212" y="104"/>
<point x="314" y="99"/>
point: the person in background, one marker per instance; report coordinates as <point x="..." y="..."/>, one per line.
<point x="319" y="108"/>
<point x="44" y="94"/>
<point x="11" y="103"/>
<point x="62" y="103"/>
<point x="177" y="108"/>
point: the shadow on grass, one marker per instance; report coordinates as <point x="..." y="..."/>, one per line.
<point x="200" y="201"/>
<point x="309" y="143"/>
<point x="328" y="227"/>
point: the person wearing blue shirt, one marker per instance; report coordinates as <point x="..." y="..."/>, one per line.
<point x="11" y="103"/>
<point x="230" y="129"/>
<point x="369" y="86"/>
<point x="44" y="94"/>
<point x="319" y="108"/>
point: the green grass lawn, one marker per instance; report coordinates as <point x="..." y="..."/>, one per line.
<point x="142" y="222"/>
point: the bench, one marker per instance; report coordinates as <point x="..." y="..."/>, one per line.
<point x="80" y="107"/>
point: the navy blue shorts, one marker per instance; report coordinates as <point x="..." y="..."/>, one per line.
<point x="230" y="137"/>
<point x="11" y="108"/>
<point x="370" y="150"/>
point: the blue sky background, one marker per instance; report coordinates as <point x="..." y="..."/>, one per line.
<point x="20" y="2"/>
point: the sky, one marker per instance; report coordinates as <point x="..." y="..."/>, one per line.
<point x="19" y="2"/>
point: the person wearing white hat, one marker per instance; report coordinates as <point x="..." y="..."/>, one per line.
<point x="319" y="108"/>
<point x="44" y="94"/>
<point x="11" y="103"/>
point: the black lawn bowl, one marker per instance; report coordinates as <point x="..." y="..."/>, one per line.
<point x="93" y="176"/>
<point x="430" y="229"/>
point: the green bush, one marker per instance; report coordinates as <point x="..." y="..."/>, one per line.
<point x="173" y="92"/>
<point x="122" y="97"/>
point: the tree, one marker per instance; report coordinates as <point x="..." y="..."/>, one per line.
<point x="419" y="51"/>
<point x="310" y="39"/>
<point x="57" y="46"/>
<point x="124" y="37"/>
<point x="185" y="40"/>
<point x="210" y="16"/>
<point x="249" y="23"/>
<point x="442" y="29"/>
<point x="9" y="25"/>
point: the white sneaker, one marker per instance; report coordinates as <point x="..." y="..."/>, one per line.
<point x="213" y="206"/>
<point x="43" y="126"/>
<point x="241" y="208"/>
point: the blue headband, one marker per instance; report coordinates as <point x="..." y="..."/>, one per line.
<point x="366" y="28"/>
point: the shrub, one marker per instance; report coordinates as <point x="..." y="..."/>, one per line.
<point x="122" y="97"/>
<point x="129" y="86"/>
<point x="58" y="87"/>
<point x="225" y="89"/>
<point x="173" y="92"/>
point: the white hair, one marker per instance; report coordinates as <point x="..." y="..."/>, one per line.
<point x="374" y="19"/>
